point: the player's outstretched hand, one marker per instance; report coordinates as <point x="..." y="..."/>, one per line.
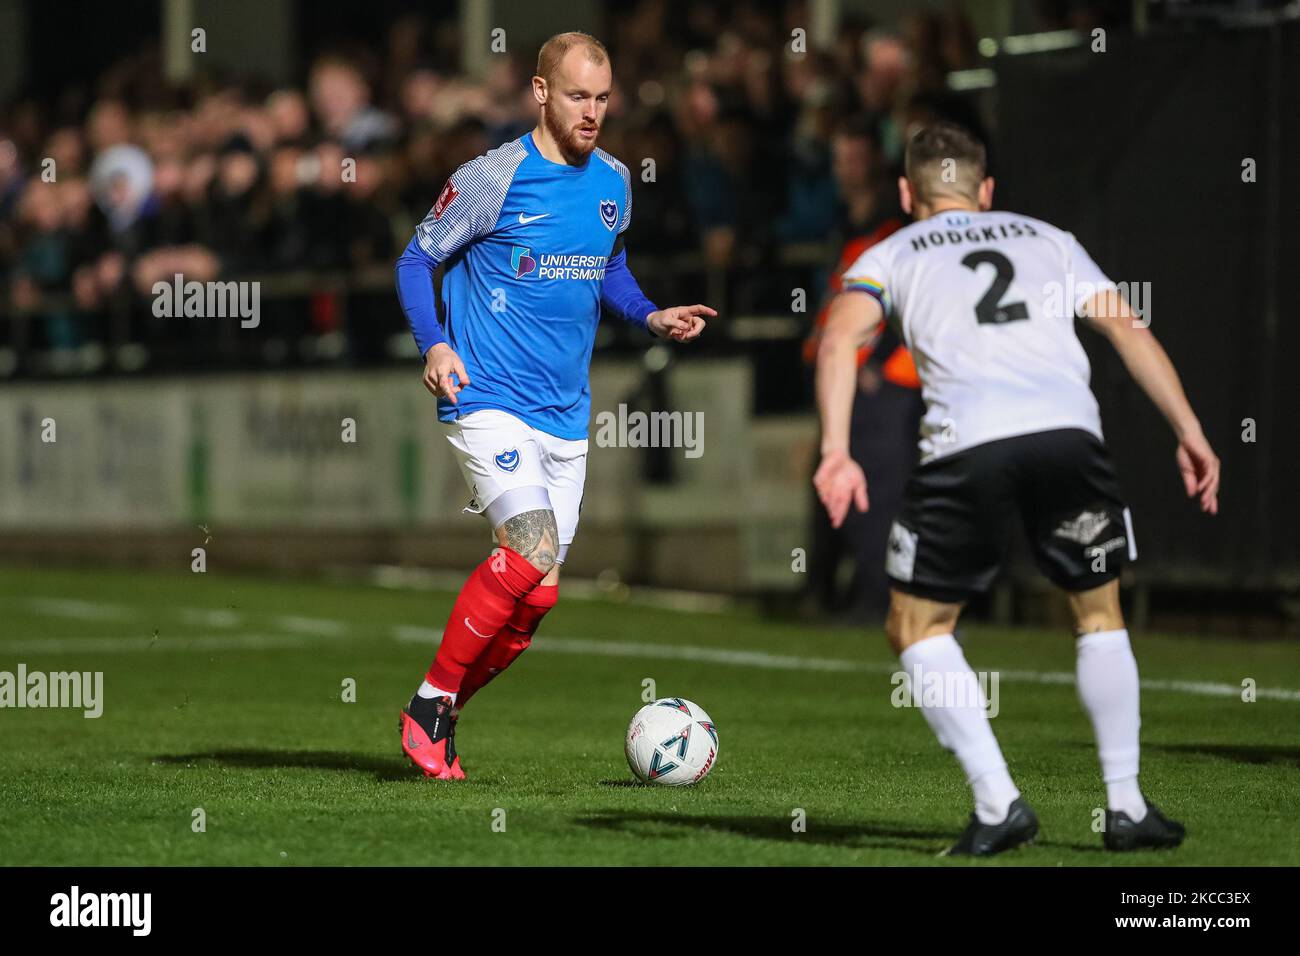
<point x="681" y="323"/>
<point x="1199" y="467"/>
<point x="444" y="373"/>
<point x="840" y="482"/>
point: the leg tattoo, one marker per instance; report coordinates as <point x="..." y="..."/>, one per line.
<point x="534" y="535"/>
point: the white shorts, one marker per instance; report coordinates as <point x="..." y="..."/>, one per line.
<point x="512" y="468"/>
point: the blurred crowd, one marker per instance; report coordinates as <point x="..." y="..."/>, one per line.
<point x="105" y="191"/>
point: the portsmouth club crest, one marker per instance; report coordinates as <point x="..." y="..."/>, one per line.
<point x="609" y="213"/>
<point x="508" y="460"/>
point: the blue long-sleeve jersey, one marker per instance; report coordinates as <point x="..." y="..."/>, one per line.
<point x="532" y="248"/>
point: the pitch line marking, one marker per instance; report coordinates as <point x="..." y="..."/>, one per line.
<point x="305" y="629"/>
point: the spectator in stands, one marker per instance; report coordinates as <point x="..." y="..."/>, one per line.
<point x="12" y="183"/>
<point x="235" y="217"/>
<point x="247" y="178"/>
<point x="882" y="83"/>
<point x="664" y="222"/>
<point x="46" y="260"/>
<point x="289" y="116"/>
<point x="341" y="98"/>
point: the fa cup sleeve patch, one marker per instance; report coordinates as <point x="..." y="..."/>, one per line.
<point x="445" y="199"/>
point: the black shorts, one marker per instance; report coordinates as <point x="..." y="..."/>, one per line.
<point x="952" y="534"/>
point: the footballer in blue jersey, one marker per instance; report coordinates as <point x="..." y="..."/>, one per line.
<point x="530" y="238"/>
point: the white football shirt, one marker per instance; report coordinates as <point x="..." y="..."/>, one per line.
<point x="986" y="302"/>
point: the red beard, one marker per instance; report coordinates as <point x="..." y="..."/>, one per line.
<point x="574" y="147"/>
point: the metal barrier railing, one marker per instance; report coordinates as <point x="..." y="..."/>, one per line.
<point x="352" y="318"/>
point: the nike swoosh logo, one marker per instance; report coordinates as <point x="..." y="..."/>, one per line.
<point x="410" y="739"/>
<point x="525" y="220"/>
<point x="476" y="633"/>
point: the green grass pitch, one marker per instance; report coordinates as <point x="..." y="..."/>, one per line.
<point x="226" y="694"/>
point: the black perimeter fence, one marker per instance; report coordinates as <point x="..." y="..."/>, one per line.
<point x="1139" y="151"/>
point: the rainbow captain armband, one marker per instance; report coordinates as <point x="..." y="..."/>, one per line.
<point x="871" y="287"/>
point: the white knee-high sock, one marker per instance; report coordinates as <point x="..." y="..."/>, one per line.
<point x="1107" y="676"/>
<point x="962" y="726"/>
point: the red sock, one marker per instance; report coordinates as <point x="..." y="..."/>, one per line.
<point x="485" y="604"/>
<point x="512" y="640"/>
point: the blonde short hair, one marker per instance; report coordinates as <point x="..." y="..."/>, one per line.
<point x="553" y="52"/>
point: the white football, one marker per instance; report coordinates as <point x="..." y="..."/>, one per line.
<point x="671" y="742"/>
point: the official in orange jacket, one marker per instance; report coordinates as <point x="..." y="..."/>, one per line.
<point x="887" y="409"/>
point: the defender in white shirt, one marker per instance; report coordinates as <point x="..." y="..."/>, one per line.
<point x="986" y="302"/>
